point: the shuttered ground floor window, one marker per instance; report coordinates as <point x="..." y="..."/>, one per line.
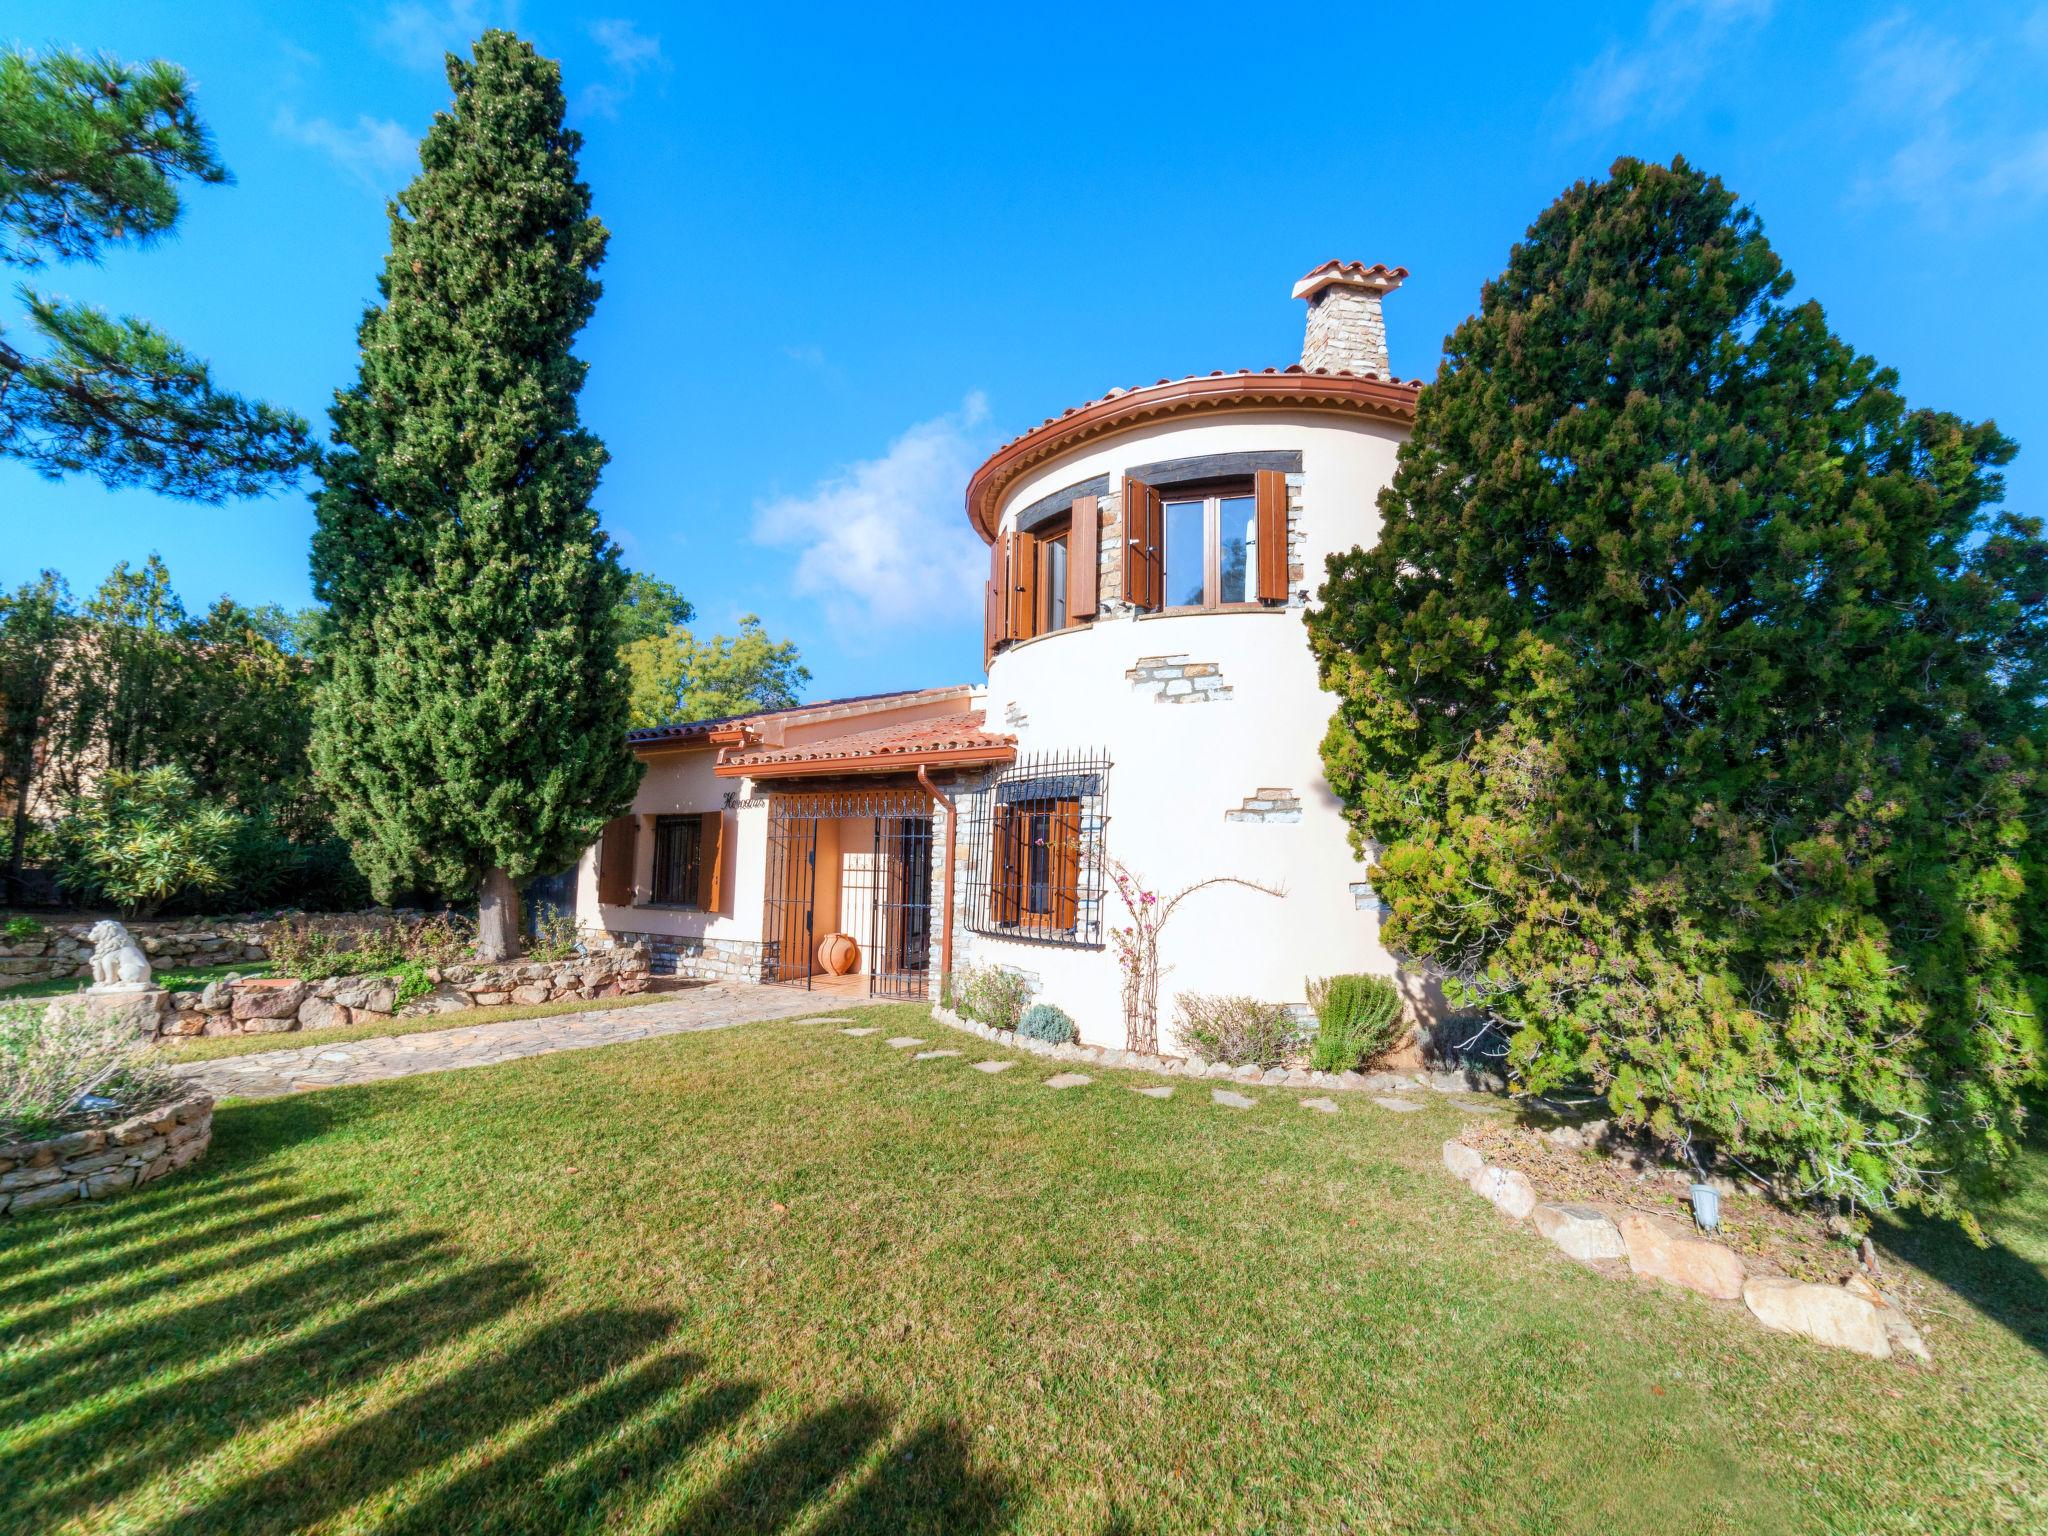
<point x="1035" y="850"/>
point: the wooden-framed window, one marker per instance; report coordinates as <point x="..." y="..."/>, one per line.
<point x="1220" y="544"/>
<point x="678" y="852"/>
<point x="1044" y="578"/>
<point x="688" y="859"/>
<point x="1037" y="832"/>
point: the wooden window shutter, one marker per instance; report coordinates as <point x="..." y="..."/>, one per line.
<point x="1065" y="862"/>
<point x="710" y="859"/>
<point x="1144" y="532"/>
<point x="1084" y="558"/>
<point x="1023" y="585"/>
<point x="1007" y="878"/>
<point x="615" y="861"/>
<point x="1270" y="486"/>
<point x="998" y="600"/>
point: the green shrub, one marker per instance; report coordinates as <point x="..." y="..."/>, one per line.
<point x="142" y="839"/>
<point x="1357" y="1017"/>
<point x="990" y="995"/>
<point x="311" y="953"/>
<point x="1240" y="1031"/>
<point x="556" y="936"/>
<point x="51" y="1053"/>
<point x="21" y="929"/>
<point x="1042" y="1021"/>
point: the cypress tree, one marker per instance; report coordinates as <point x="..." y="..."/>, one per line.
<point x="1694" y="693"/>
<point x="471" y="719"/>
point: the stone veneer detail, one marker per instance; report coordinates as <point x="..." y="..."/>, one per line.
<point x="1177" y="680"/>
<point x="701" y="959"/>
<point x="1267" y="805"/>
<point x="102" y="1160"/>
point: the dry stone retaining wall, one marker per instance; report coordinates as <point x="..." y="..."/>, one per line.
<point x="103" y="1160"/>
<point x="263" y="1006"/>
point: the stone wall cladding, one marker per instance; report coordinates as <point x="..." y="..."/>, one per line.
<point x="1347" y="332"/>
<point x="1267" y="805"/>
<point x="701" y="959"/>
<point x="1177" y="680"/>
<point x="62" y="950"/>
<point x="98" y="1161"/>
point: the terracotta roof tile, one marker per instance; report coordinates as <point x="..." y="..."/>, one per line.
<point x="905" y="740"/>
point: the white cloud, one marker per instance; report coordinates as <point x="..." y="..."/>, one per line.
<point x="885" y="544"/>
<point x="628" y="48"/>
<point x="1683" y="44"/>
<point x="1953" y="109"/>
<point x="630" y="53"/>
<point x="376" y="151"/>
<point x="418" y="35"/>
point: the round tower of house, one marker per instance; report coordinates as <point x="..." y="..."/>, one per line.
<point x="1152" y="555"/>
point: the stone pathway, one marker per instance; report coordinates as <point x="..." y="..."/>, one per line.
<point x="273" y="1073"/>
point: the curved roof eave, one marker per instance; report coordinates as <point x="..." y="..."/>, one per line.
<point x="1294" y="388"/>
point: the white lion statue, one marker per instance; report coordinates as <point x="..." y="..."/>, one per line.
<point x="117" y="960"/>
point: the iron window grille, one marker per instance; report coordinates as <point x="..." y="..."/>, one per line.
<point x="678" y="854"/>
<point x="1034" y="850"/>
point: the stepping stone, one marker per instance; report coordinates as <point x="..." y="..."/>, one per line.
<point x="870" y="1030"/>
<point x="1069" y="1080"/>
<point x="993" y="1066"/>
<point x="1161" y="1092"/>
<point x="932" y="1055"/>
<point x="842" y="1019"/>
<point x="1399" y="1106"/>
<point x="1320" y="1106"/>
<point x="1476" y="1109"/>
<point x="902" y="1042"/>
<point x="1231" y="1099"/>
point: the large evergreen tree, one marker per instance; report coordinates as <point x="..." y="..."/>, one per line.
<point x="91" y="154"/>
<point x="1695" y="691"/>
<point x="472" y="716"/>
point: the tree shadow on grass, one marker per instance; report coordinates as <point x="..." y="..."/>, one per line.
<point x="2005" y="1287"/>
<point x="561" y="1358"/>
<point x="117" y="1411"/>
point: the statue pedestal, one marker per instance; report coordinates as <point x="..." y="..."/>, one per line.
<point x="143" y="1008"/>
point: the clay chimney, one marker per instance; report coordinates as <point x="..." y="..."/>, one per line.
<point x="1346" y="331"/>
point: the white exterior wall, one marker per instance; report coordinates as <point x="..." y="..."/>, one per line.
<point x="1177" y="768"/>
<point x="682" y="783"/>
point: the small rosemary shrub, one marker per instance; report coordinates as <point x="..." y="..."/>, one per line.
<point x="1042" y="1021"/>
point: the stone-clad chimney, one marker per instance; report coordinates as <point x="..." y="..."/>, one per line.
<point x="1346" y="331"/>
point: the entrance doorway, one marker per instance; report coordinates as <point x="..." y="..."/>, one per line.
<point x="857" y="862"/>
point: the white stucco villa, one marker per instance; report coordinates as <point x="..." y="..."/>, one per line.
<point x="1150" y="698"/>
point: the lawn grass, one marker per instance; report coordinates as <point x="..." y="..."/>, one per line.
<point x="209" y="1048"/>
<point x="178" y="978"/>
<point x="778" y="1279"/>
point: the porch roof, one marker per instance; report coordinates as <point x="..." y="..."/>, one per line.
<point x="941" y="741"/>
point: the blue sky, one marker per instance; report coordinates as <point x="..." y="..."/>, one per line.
<point x="854" y="249"/>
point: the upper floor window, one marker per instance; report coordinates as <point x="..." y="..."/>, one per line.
<point x="1206" y="546"/>
<point x="1052" y="579"/>
<point x="1211" y="548"/>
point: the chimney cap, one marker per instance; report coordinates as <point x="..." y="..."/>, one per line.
<point x="1377" y="278"/>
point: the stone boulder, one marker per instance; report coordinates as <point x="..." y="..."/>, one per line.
<point x="1464" y="1162"/>
<point x="268" y="1000"/>
<point x="1664" y="1251"/>
<point x="1510" y="1191"/>
<point x="1905" y="1338"/>
<point x="320" y="1013"/>
<point x="1827" y="1314"/>
<point x="1582" y="1231"/>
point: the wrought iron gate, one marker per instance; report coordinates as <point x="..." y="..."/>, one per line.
<point x="883" y="897"/>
